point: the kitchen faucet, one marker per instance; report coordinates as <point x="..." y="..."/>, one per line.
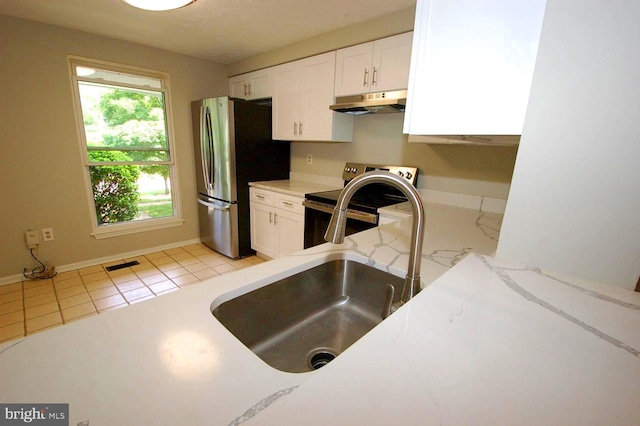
<point x="337" y="226"/>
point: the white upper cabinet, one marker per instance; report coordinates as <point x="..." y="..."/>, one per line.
<point x="471" y="66"/>
<point x="253" y="85"/>
<point x="302" y="94"/>
<point x="378" y="66"/>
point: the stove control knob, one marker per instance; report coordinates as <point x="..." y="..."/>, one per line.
<point x="400" y="174"/>
<point x="409" y="175"/>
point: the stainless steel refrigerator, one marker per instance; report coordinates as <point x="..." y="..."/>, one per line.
<point x="233" y="146"/>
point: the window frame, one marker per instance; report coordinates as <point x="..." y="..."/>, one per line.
<point x="100" y="231"/>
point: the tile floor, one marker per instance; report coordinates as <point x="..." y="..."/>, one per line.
<point x="29" y="307"/>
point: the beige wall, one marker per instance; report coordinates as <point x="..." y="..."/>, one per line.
<point x="388" y="25"/>
<point x="378" y="139"/>
<point x="41" y="178"/>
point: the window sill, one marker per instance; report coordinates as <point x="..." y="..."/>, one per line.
<point x="117" y="230"/>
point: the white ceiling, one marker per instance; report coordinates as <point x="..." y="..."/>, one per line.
<point x="223" y="31"/>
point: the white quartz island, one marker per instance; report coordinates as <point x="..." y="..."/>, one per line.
<point x="485" y="343"/>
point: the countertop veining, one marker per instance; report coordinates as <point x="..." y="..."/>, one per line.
<point x="485" y="342"/>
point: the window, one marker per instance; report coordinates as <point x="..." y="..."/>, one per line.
<point x="124" y="126"/>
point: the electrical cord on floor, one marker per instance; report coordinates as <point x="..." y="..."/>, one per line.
<point x="39" y="272"/>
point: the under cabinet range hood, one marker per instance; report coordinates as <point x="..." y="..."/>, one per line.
<point x="371" y="103"/>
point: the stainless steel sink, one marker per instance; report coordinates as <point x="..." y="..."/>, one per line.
<point x="302" y="322"/>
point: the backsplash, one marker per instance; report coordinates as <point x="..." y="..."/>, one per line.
<point x="378" y="139"/>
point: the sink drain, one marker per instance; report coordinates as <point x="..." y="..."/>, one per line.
<point x="318" y="358"/>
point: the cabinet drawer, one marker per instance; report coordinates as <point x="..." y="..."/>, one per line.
<point x="289" y="203"/>
<point x="261" y="196"/>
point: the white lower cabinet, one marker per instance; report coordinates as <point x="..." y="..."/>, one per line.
<point x="262" y="229"/>
<point x="277" y="223"/>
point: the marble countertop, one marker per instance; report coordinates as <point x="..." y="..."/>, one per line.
<point x="400" y="211"/>
<point x="488" y="343"/>
<point x="297" y="188"/>
<point x="485" y="342"/>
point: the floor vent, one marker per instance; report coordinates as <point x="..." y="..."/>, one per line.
<point x="122" y="265"/>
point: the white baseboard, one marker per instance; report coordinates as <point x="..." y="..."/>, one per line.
<point x="92" y="262"/>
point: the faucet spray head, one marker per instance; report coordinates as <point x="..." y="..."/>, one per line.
<point x="337" y="226"/>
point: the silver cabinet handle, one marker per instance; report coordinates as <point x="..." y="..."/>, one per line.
<point x="275" y="218"/>
<point x="300" y="129"/>
<point x="245" y="89"/>
<point x="366" y="77"/>
<point x="250" y="90"/>
<point x="260" y="196"/>
<point x="288" y="204"/>
<point x="373" y="77"/>
<point x="270" y="218"/>
<point x="295" y="128"/>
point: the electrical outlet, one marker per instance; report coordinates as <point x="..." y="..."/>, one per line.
<point x="309" y="159"/>
<point x="47" y="234"/>
<point x="32" y="238"/>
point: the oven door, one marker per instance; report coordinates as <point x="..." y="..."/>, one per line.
<point x="316" y="221"/>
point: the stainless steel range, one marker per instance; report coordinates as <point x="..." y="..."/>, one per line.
<point x="363" y="208"/>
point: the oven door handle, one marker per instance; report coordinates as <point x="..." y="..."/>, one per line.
<point x="351" y="214"/>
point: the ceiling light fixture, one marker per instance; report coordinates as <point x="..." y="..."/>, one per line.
<point x="159" y="4"/>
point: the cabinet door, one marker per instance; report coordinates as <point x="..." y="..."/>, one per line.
<point x="391" y="59"/>
<point x="253" y="85"/>
<point x="316" y="95"/>
<point x="260" y="84"/>
<point x="262" y="229"/>
<point x="286" y="101"/>
<point x="472" y="66"/>
<point x="353" y="69"/>
<point x="290" y="232"/>
<point x="238" y="87"/>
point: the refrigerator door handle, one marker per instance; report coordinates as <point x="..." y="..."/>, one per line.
<point x="206" y="147"/>
<point x="214" y="206"/>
